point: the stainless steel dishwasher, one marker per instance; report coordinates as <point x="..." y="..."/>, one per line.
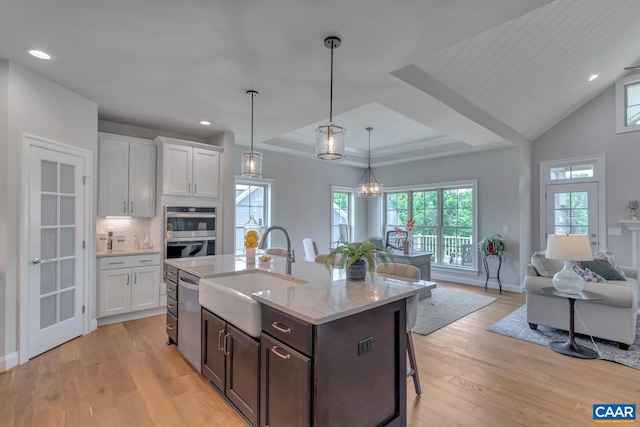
<point x="189" y="338"/>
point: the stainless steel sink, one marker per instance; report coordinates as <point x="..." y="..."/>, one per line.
<point x="230" y="297"/>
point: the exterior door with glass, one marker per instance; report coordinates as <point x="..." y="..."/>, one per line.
<point x="573" y="209"/>
<point x="56" y="256"/>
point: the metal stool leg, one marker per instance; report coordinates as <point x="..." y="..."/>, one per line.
<point x="413" y="371"/>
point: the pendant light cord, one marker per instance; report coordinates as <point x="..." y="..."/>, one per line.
<point x="252" y="97"/>
<point x="331" y="90"/>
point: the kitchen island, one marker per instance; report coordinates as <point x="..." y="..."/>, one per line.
<point x="325" y="352"/>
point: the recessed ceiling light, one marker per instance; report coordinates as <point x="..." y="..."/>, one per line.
<point x="594" y="76"/>
<point x="40" y="54"/>
<point x="205" y="123"/>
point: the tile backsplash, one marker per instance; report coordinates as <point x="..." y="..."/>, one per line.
<point x="130" y="227"/>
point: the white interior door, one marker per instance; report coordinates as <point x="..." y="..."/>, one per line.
<point x="56" y="257"/>
<point x="573" y="209"/>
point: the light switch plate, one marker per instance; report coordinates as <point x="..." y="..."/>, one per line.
<point x="505" y="229"/>
<point x="614" y="231"/>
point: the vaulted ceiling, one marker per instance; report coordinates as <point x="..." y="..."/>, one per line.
<point x="432" y="78"/>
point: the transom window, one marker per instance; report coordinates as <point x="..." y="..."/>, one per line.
<point x="444" y="218"/>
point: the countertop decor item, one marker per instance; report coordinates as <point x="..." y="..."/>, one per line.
<point x="250" y="245"/>
<point x="633" y="210"/>
<point x="368" y="186"/>
<point x="330" y="137"/>
<point x="492" y="245"/>
<point x="251" y="160"/>
<point x="357" y="258"/>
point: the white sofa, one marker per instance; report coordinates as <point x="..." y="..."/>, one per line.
<point x="613" y="318"/>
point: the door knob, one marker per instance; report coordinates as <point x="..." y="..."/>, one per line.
<point x="35" y="261"/>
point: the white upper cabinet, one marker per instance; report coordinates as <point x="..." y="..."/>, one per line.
<point x="190" y="170"/>
<point x="126" y="176"/>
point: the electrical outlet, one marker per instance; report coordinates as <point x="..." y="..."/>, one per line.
<point x="505" y="229"/>
<point x="365" y="345"/>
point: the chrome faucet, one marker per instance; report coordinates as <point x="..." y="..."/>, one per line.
<point x="291" y="257"/>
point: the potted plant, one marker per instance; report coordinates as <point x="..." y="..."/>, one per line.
<point x="357" y="258"/>
<point x="492" y="245"/>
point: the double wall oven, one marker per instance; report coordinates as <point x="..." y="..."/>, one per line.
<point x="190" y="231"/>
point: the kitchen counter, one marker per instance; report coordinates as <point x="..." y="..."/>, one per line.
<point x="323" y="297"/>
<point x="102" y="254"/>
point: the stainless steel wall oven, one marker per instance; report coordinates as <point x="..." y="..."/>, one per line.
<point x="190" y="231"/>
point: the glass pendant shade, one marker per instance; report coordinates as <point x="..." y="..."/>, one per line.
<point x="251" y="164"/>
<point x="330" y="142"/>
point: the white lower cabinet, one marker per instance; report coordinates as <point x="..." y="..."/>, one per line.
<point x="128" y="283"/>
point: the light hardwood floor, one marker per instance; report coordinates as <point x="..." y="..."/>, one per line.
<point x="124" y="375"/>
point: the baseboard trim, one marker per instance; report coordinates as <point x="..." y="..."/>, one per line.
<point x="475" y="282"/>
<point x="125" y="317"/>
<point x="9" y="361"/>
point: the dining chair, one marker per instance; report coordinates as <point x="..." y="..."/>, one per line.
<point x="310" y="249"/>
<point x="407" y="271"/>
<point x="321" y="258"/>
<point x="276" y="251"/>
<point x="396" y="240"/>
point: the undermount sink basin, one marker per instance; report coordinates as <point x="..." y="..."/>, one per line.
<point x="230" y="297"/>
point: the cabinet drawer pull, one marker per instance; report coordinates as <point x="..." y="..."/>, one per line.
<point x="170" y="327"/>
<point x="220" y="344"/>
<point x="170" y="273"/>
<point x="227" y="350"/>
<point x="195" y="188"/>
<point x="171" y="306"/>
<point x="282" y="328"/>
<point x="146" y="260"/>
<point x="114" y="263"/>
<point x="131" y="210"/>
<point x="170" y="289"/>
<point x="275" y="351"/>
<point x="124" y="207"/>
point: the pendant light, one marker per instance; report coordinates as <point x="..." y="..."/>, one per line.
<point x="251" y="163"/>
<point x="368" y="185"/>
<point x="330" y="137"/>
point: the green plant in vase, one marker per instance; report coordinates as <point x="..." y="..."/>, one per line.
<point x="357" y="258"/>
<point x="492" y="245"/>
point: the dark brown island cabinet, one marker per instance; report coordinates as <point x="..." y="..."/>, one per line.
<point x="231" y="363"/>
<point x="347" y="372"/>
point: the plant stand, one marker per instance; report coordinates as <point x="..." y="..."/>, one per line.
<point x="485" y="263"/>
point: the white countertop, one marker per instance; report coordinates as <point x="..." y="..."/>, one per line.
<point x="324" y="297"/>
<point x="101" y="254"/>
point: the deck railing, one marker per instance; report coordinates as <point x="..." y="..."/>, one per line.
<point x="456" y="250"/>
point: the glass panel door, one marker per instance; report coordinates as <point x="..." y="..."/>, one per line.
<point x="573" y="209"/>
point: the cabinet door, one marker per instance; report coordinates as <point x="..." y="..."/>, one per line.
<point x="113" y="177"/>
<point x="145" y="288"/>
<point x="286" y="385"/>
<point x="114" y="293"/>
<point x="177" y="170"/>
<point x="206" y="173"/>
<point x="142" y="180"/>
<point x="213" y="357"/>
<point x="243" y="373"/>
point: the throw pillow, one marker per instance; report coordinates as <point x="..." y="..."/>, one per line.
<point x="588" y="275"/>
<point x="607" y="255"/>
<point x="545" y="267"/>
<point x="603" y="268"/>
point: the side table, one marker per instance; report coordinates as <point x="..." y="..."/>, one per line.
<point x="571" y="348"/>
<point x="486" y="269"/>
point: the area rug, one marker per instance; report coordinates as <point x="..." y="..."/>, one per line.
<point x="446" y="306"/>
<point x="515" y="325"/>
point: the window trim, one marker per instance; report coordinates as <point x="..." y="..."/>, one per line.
<point x="473" y="183"/>
<point x="621" y="103"/>
<point x="268" y="212"/>
<point x="352" y="212"/>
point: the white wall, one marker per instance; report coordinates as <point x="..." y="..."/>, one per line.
<point x="590" y="130"/>
<point x="302" y="197"/>
<point x="502" y="175"/>
<point x="39" y="107"/>
<point x="4" y="187"/>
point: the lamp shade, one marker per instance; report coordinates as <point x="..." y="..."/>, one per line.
<point x="569" y="247"/>
<point x="330" y="142"/>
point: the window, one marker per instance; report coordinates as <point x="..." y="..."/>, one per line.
<point x="252" y="198"/>
<point x="628" y="104"/>
<point x="444" y="221"/>
<point x="342" y="214"/>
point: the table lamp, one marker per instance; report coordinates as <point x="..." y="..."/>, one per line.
<point x="568" y="247"/>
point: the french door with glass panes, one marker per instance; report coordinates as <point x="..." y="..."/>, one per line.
<point x="573" y="209"/>
<point x="56" y="224"/>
